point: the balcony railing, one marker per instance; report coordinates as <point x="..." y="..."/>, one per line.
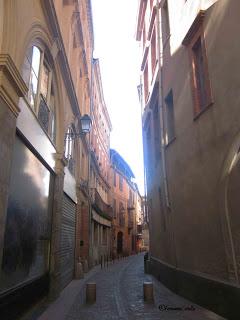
<point x="100" y="206"/>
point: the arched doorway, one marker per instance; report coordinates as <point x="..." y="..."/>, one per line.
<point x="119" y="242"/>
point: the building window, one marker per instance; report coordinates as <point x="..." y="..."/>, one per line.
<point x="121" y="215"/>
<point x="200" y="82"/>
<point x="120" y="183"/>
<point x="170" y="127"/>
<point x="130" y="201"/>
<point x="114" y="209"/>
<point x="69" y="149"/>
<point x="194" y="41"/>
<point x="114" y="179"/>
<point x="38" y="76"/>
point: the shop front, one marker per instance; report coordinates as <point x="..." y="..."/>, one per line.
<point x="25" y="266"/>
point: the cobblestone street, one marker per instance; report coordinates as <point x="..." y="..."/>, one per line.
<point x="120" y="296"/>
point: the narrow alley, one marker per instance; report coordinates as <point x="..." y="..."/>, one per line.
<point x="120" y="296"/>
<point x="120" y="159"/>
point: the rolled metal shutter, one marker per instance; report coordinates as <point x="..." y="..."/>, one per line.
<point x="67" y="240"/>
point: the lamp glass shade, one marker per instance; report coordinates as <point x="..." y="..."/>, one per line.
<point x="86" y="123"/>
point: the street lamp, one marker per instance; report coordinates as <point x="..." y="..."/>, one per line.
<point x="86" y="123"/>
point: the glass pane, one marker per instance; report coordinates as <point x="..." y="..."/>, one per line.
<point x="53" y="126"/>
<point x="30" y="72"/>
<point x="44" y="81"/>
<point x="67" y="143"/>
<point x="43" y="114"/>
<point x="32" y="92"/>
<point x="70" y="147"/>
<point x="36" y="60"/>
<point x="27" y="233"/>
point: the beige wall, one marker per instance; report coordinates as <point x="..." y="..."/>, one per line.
<point x="201" y="225"/>
<point x="195" y="159"/>
<point x="1" y="20"/>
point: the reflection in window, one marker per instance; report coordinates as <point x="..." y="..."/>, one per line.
<point x="45" y="81"/>
<point x="31" y="73"/>
<point x="28" y="224"/>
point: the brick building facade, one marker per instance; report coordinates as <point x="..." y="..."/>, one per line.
<point x="45" y="81"/>
<point x="123" y="194"/>
<point x="101" y="210"/>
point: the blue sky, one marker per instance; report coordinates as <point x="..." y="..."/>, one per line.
<point x="119" y="55"/>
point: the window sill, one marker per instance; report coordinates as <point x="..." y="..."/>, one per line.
<point x="198" y="115"/>
<point x="170" y="142"/>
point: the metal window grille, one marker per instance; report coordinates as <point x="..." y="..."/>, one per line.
<point x="43" y="114"/>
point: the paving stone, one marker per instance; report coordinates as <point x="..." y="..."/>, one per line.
<point x="120" y="297"/>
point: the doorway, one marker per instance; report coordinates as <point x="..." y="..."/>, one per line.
<point x="119" y="242"/>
